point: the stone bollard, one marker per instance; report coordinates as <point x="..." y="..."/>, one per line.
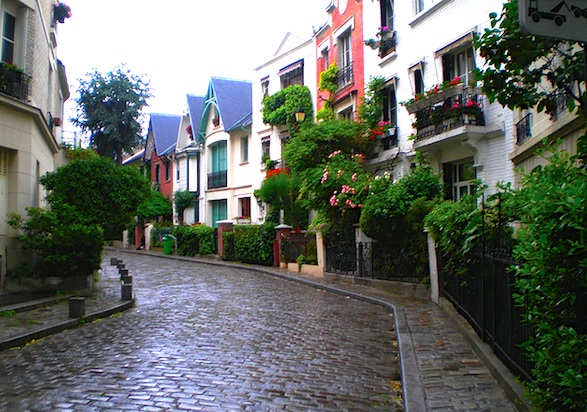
<point x="123" y="272"/>
<point x="113" y="261"/>
<point x="126" y="290"/>
<point x="120" y="265"/>
<point x="77" y="307"/>
<point x="127" y="279"/>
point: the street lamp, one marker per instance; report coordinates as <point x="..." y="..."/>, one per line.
<point x="300" y="115"/>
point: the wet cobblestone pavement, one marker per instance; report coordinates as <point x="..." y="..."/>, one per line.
<point x="213" y="338"/>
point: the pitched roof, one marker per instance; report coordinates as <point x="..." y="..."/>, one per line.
<point x="234" y="99"/>
<point x="195" y="108"/>
<point x="165" y="128"/>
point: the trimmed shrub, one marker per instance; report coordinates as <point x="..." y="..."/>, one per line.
<point x="228" y="250"/>
<point x="254" y="243"/>
<point x="193" y="240"/>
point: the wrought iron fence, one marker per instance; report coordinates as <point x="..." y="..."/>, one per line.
<point x="297" y="244"/>
<point x="484" y="297"/>
<point x="345" y="75"/>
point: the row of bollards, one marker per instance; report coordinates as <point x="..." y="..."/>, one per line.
<point x="77" y="304"/>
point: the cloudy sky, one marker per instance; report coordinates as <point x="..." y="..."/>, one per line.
<point x="179" y="44"/>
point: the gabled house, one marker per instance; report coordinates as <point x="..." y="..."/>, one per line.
<point x="294" y="62"/>
<point x="33" y="87"/>
<point x="225" y="133"/>
<point x="159" y="150"/>
<point x="187" y="160"/>
<point x="340" y="41"/>
<point x="443" y="112"/>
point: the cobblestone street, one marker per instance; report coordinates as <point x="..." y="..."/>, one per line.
<point x="205" y="337"/>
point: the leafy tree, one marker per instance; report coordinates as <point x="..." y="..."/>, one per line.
<point x="109" y="108"/>
<point x="182" y="199"/>
<point x="97" y="192"/>
<point x="520" y="65"/>
<point x="155" y="205"/>
<point x="280" y="109"/>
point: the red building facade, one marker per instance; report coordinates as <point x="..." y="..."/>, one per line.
<point x="341" y="42"/>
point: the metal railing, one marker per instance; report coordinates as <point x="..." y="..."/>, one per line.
<point x="345" y="76"/>
<point x="14" y="83"/>
<point x="524" y="129"/>
<point x="217" y="179"/>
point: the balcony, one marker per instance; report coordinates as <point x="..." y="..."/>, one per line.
<point x="217" y="179"/>
<point x="443" y="110"/>
<point x="14" y="82"/>
<point x="345" y="76"/>
<point x="524" y="129"/>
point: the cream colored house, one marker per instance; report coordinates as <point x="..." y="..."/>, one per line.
<point x="432" y="44"/>
<point x="33" y="87"/>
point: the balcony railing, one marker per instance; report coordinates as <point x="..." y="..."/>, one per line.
<point x="14" y="83"/>
<point x="217" y="179"/>
<point x="524" y="129"/>
<point x="345" y="75"/>
<point x="447" y="109"/>
<point x="387" y="44"/>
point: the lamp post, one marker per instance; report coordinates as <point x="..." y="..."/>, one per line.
<point x="300" y="115"/>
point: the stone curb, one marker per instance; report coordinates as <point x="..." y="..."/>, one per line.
<point x="45" y="331"/>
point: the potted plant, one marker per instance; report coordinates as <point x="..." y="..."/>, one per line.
<point x="61" y="11"/>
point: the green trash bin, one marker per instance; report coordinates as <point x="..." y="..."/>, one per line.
<point x="167" y="244"/>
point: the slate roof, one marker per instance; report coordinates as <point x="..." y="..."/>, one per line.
<point x="195" y="108"/>
<point x="165" y="128"/>
<point x="235" y="101"/>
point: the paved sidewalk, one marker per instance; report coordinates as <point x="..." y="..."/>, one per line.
<point x="23" y="322"/>
<point x="441" y="371"/>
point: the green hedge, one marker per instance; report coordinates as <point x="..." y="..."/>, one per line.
<point x="192" y="240"/>
<point x="254" y="243"/>
<point x="228" y="249"/>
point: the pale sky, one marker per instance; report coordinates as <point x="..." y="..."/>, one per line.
<point x="179" y="44"/>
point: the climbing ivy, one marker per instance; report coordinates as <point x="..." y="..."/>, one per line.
<point x="280" y="109"/>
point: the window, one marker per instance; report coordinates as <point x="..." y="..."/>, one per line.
<point x="389" y="105"/>
<point x="244" y="149"/>
<point x="219" y="211"/>
<point x="3" y="190"/>
<point x="218" y="166"/>
<point x="459" y="177"/>
<point x="292" y="74"/>
<point x="325" y="59"/>
<point x="244" y="206"/>
<point x="418" y="81"/>
<point x="157" y="168"/>
<point x="459" y="63"/>
<point x="8" y="36"/>
<point x="346" y="114"/>
<point x="265" y="86"/>
<point x="265" y="148"/>
<point x="387" y="13"/>
<point x="345" y="69"/>
<point x="421" y="5"/>
<point x="167" y="170"/>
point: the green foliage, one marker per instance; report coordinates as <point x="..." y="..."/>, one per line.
<point x="154" y="206"/>
<point x="551" y="279"/>
<point x="370" y="110"/>
<point x="228" y="246"/>
<point x="64" y="247"/>
<point x="281" y="191"/>
<point x="254" y="243"/>
<point x="97" y="192"/>
<point x="329" y="79"/>
<point x="109" y="108"/>
<point x="182" y="199"/>
<point x="328" y="82"/>
<point x="192" y="240"/>
<point x="393" y="215"/>
<point x="279" y="109"/>
<point x="520" y="64"/>
<point x="157" y="234"/>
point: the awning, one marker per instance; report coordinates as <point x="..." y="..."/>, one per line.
<point x="288" y="69"/>
<point x="464" y="40"/>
